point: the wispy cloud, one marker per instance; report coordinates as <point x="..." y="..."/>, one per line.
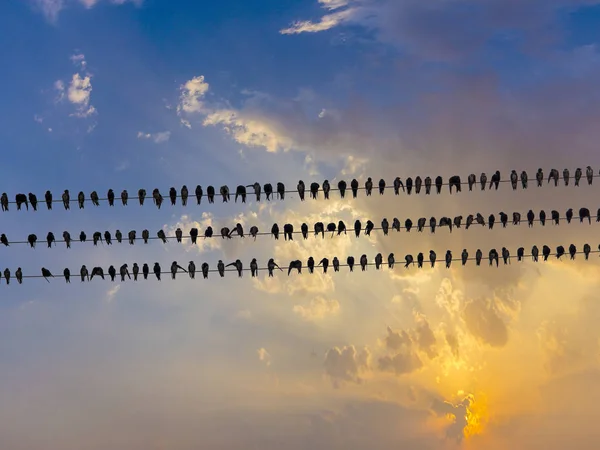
<point x="51" y="8"/>
<point x="157" y="138"/>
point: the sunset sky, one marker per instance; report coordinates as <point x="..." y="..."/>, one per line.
<point x="100" y="94"/>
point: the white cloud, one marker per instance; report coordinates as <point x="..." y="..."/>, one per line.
<point x="79" y="92"/>
<point x="158" y="138"/>
<point x="327" y="22"/>
<point x="59" y="87"/>
<point x="317" y="309"/>
<point x="51" y="8"/>
<point x="79" y="60"/>
<point x="264" y="356"/>
<point x="192" y="94"/>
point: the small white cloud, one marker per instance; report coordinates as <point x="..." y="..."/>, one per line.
<point x="38" y="119"/>
<point x="50" y="8"/>
<point x="79" y="93"/>
<point x="192" y="93"/>
<point x="79" y="60"/>
<point x="110" y="295"/>
<point x="59" y="87"/>
<point x="158" y="138"/>
<point x="264" y="356"/>
<point x="327" y="22"/>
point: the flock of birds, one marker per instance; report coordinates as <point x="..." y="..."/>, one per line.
<point x="319" y="228"/>
<point x="493" y="257"/>
<point x="241" y="191"/>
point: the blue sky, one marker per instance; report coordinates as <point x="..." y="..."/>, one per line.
<point x="102" y="94"/>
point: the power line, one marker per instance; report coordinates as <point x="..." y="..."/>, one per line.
<point x="398" y="263"/>
<point x="125" y="238"/>
<point x="275" y="193"/>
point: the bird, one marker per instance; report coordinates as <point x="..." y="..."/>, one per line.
<point x="539" y="176"/>
<point x="7" y="275"/>
<point x="47" y="197"/>
<point x="192" y="269"/>
<point x="524" y="179"/>
<point x="310" y="263"/>
<point x="409" y="260"/>
<point x="314" y="190"/>
<point x="257" y="190"/>
<point x="448" y="259"/>
<point x="173" y="196"/>
<point x="569" y="215"/>
<point x="378" y="261"/>
<point x="46" y="273"/>
<point x="543" y="217"/>
<point x="516" y="218"/>
<point x="157" y="270"/>
<point x="385" y="226"/>
<point x="224" y="191"/>
<point x="124" y="197"/>
<point x="478" y="256"/>
<point x="178" y="235"/>
<point x="80" y="200"/>
<point x="464" y="256"/>
<point x="491" y="221"/>
<point x="145" y="271"/>
<point x="82" y="237"/>
<point x="409" y="185"/>
<point x="432" y="224"/>
<point x="254" y="267"/>
<point x="454" y="181"/>
<point x="391" y="260"/>
<point x="326" y="189"/>
<point x="145" y="235"/>
<point x="162" y="236"/>
<point x="184" y="195"/>
<point x="560" y="251"/>
<point x="589" y="174"/>
<point x="325" y="263"/>
<point x="495" y="181"/>
<point x="221" y="268"/>
<point x="96" y="271"/>
<point x="530" y="218"/>
<point x="354" y="187"/>
<point x="396" y="224"/>
<point x="174" y="267"/>
<point x="141" y="196"/>
<point x="350" y="262"/>
<point x="124" y="270"/>
<point x="271" y="264"/>
<point x="420" y="259"/>
<point x="238" y="266"/>
<point x="381" y="186"/>
<point x="555" y="217"/>
<point x="32" y="239"/>
<point x="21" y="199"/>
<point x="110" y="195"/>
<point x="587" y="250"/>
<point x="369" y="227"/>
<point x="158" y="198"/>
<point x="483" y="180"/>
<point x="66" y="199"/>
<point x="94" y="198"/>
<point x="240" y="192"/>
<point x="208" y="233"/>
<point x="331" y="228"/>
<point x="520" y="253"/>
<point x="107" y="238"/>
<point x="505" y="255"/>
<point x="397" y="185"/>
<point x="194" y="235"/>
<point x="514" y="179"/>
<point x="480" y="220"/>
<point x="204" y="270"/>
<point x="131" y="237"/>
<point x="341" y="227"/>
<point x="432" y="258"/>
<point x="296" y="264"/>
<point x="369" y="186"/>
<point x="342" y="188"/>
<point x="418" y="184"/>
<point x="572" y="251"/>
<point x="427" y="185"/>
<point x="438" y="184"/>
<point x="33" y="200"/>
<point x="469" y="222"/>
<point x="363" y="262"/>
<point x="319" y="227"/>
<point x="357" y="228"/>
<point x="112" y="272"/>
<point x="421" y="224"/>
<point x="553" y="176"/>
<point x="458" y="221"/>
<point x="408" y="225"/>
<point x="471" y="180"/>
<point x="97" y="236"/>
<point x="534" y="253"/>
<point x="336" y="264"/>
<point x="19" y="275"/>
<point x="136" y="270"/>
<point x="566" y="176"/>
<point x="545" y="252"/>
<point x="199" y="193"/>
<point x="275" y="231"/>
<point x="50" y="239"/>
<point x="281" y="190"/>
<point x="503" y="219"/>
<point x="288" y="231"/>
<point x="301" y="188"/>
<point x="239" y="229"/>
<point x="583" y="214"/>
<point x="268" y="188"/>
<point x="4" y="240"/>
<point x="254" y="231"/>
<point x="578" y="174"/>
<point x="493" y="256"/>
<point x="225" y="233"/>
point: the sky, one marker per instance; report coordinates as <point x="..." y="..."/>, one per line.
<point x="100" y="94"/>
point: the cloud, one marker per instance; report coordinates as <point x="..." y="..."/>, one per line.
<point x="59" y="87"/>
<point x="112" y="292"/>
<point x="317" y="309"/>
<point x="79" y="60"/>
<point x="346" y="364"/>
<point x="264" y="356"/>
<point x="483" y="320"/>
<point x="187" y="222"/>
<point x="51" y="8"/>
<point x="157" y="138"/>
<point x="192" y="95"/>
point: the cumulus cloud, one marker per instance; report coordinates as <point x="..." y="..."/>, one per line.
<point x="346" y="364"/>
<point x="157" y="138"/>
<point x="191" y="98"/>
<point x="317" y="309"/>
<point x="78" y="91"/>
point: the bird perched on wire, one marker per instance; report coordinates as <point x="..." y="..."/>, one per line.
<point x="553" y="176"/>
<point x="397" y="185"/>
<point x="157" y="271"/>
<point x="221" y="268"/>
<point x="281" y="190"/>
<point x="20" y="200"/>
<point x="296" y="264"/>
<point x="539" y="177"/>
<point x="342" y="186"/>
<point x="124" y="271"/>
<point x="454" y="181"/>
<point x="32" y="239"/>
<point x="271" y="264"/>
<point x="80" y="200"/>
<point x="520" y="253"/>
<point x="302" y="189"/>
<point x="524" y="180"/>
<point x="589" y="174"/>
<point x="145" y="270"/>
<point x="325" y="263"/>
<point x="464" y="256"/>
<point x="275" y="231"/>
<point x="238" y="266"/>
<point x="505" y="255"/>
<point x="173" y="195"/>
<point x="336" y="264"/>
<point x="310" y="263"/>
<point x="369" y="186"/>
<point x="158" y="198"/>
<point x="192" y="269"/>
<point x="288" y="232"/>
<point x="174" y="267"/>
<point x="378" y="260"/>
<point x="47" y="197"/>
<point x="471" y="180"/>
<point x="50" y="239"/>
<point x="4" y="240"/>
<point x="205" y="270"/>
<point x="136" y="270"/>
<point x="112" y="272"/>
<point x="19" y="275"/>
<point x="240" y="192"/>
<point x="418" y="184"/>
<point x="535" y="253"/>
<point x="268" y="188"/>
<point x="478" y="257"/>
<point x="391" y="260"/>
<point x="448" y="259"/>
<point x="427" y="185"/>
<point x="66" y="199"/>
<point x="409" y="185"/>
<point x="495" y="181"/>
<point x="514" y="179"/>
<point x="363" y="262"/>
<point x="46" y="274"/>
<point x="314" y="190"/>
<point x="184" y="195"/>
<point x="354" y="187"/>
<point x="483" y="180"/>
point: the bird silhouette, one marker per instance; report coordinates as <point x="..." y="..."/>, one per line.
<point x="46" y="273"/>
